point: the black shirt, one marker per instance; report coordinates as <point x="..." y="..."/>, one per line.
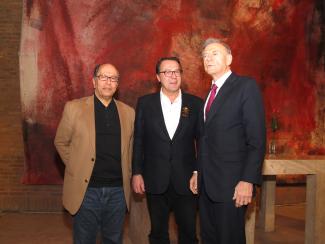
<point x="107" y="169"/>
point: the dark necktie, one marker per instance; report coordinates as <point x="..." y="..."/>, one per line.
<point x="211" y="98"/>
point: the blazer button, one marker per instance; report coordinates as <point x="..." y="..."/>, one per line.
<point x="92" y="159"/>
<point x="86" y="180"/>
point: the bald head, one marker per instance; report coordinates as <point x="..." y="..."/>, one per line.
<point x="99" y="67"/>
<point x="105" y="81"/>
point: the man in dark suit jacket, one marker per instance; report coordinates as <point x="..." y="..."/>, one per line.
<point x="164" y="154"/>
<point x="232" y="148"/>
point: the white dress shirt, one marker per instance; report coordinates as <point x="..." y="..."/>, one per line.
<point x="171" y="112"/>
<point x="219" y="83"/>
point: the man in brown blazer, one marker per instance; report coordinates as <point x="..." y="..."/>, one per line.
<point x="94" y="139"/>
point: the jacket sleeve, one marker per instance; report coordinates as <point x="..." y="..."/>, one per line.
<point x="138" y="143"/>
<point x="64" y="134"/>
<point x="254" y="124"/>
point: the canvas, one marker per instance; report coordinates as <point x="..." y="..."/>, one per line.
<point x="281" y="43"/>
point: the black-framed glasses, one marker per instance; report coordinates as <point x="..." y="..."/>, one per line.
<point x="106" y="78"/>
<point x="170" y="73"/>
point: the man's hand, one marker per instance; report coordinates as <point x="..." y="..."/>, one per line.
<point x="193" y="183"/>
<point x="243" y="193"/>
<point x="138" y="184"/>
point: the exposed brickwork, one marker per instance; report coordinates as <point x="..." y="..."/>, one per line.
<point x="13" y="194"/>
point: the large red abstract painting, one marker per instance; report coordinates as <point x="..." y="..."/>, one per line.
<point x="281" y="43"/>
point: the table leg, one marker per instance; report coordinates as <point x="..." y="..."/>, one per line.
<point x="267" y="211"/>
<point x="310" y="209"/>
<point x="250" y="222"/>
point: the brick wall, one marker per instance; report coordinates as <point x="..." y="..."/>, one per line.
<point x="13" y="194"/>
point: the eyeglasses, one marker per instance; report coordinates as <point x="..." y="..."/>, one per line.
<point x="170" y="73"/>
<point x="106" y="78"/>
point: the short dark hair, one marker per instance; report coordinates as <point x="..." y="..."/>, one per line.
<point x="97" y="67"/>
<point x="176" y="59"/>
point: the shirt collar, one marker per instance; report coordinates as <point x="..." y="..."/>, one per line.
<point x="166" y="99"/>
<point x="219" y="82"/>
<point x="100" y="105"/>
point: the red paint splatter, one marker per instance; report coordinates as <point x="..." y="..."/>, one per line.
<point x="277" y="4"/>
<point x="133" y="35"/>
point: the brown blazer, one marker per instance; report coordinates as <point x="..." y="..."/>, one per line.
<point x="75" y="142"/>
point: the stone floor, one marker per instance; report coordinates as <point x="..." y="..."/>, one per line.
<point x="55" y="228"/>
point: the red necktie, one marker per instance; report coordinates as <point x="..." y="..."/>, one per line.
<point x="211" y="98"/>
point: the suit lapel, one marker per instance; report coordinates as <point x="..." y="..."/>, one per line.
<point x="182" y="119"/>
<point x="157" y="111"/>
<point x="123" y="119"/>
<point x="90" y="117"/>
<point x="222" y="95"/>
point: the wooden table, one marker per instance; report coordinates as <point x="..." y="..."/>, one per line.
<point x="314" y="169"/>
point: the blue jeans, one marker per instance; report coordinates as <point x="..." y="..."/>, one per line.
<point x="103" y="209"/>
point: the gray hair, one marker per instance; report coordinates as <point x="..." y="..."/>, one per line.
<point x="215" y="40"/>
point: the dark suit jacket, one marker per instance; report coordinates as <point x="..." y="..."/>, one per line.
<point x="232" y="145"/>
<point x="156" y="157"/>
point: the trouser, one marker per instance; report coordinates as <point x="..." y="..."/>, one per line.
<point x="221" y="222"/>
<point x="103" y="210"/>
<point x="184" y="208"/>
